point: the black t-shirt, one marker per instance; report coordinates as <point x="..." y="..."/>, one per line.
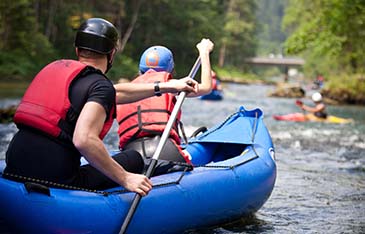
<point x="92" y="87"/>
<point x="32" y="153"/>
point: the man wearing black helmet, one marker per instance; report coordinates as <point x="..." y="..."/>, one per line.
<point x="65" y="113"/>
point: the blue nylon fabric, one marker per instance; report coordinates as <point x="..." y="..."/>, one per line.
<point x="226" y="132"/>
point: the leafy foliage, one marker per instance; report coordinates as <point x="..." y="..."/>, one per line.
<point x="270" y="34"/>
<point x="329" y="29"/>
<point x="24" y="48"/>
<point x="346" y="88"/>
<point x="238" y="29"/>
<point x="36" y="32"/>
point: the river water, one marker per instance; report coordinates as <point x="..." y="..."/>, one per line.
<point x="320" y="186"/>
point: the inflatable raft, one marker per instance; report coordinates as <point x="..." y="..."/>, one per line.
<point x="301" y="117"/>
<point x="234" y="175"/>
<point x="215" y="95"/>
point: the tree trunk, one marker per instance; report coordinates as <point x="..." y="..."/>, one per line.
<point x="222" y="53"/>
<point x="128" y="33"/>
<point x="225" y="38"/>
<point x="50" y="20"/>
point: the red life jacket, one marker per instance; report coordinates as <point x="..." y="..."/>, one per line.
<point x="149" y="116"/>
<point x="46" y="101"/>
<point x="214" y="84"/>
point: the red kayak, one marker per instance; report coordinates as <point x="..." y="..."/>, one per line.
<point x="296" y="117"/>
<point x="301" y="117"/>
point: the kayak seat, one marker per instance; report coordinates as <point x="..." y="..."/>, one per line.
<point x="206" y="152"/>
<point x="201" y="152"/>
<point x="224" y="152"/>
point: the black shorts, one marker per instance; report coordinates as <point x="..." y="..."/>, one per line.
<point x="33" y="155"/>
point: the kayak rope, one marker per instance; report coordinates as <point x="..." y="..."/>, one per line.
<point x="188" y="168"/>
<point x="157" y="185"/>
<point x="104" y="193"/>
<point x="231" y="166"/>
<point x="223" y="123"/>
<point x="186" y="165"/>
<point x="254" y="129"/>
<point x="53" y="184"/>
<point x="121" y="191"/>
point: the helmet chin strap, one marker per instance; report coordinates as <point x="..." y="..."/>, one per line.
<point x="110" y="58"/>
<point x="109" y="65"/>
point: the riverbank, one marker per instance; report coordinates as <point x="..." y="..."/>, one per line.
<point x="7" y="114"/>
<point x="346" y="89"/>
<point x="338" y="90"/>
<point x="12" y="89"/>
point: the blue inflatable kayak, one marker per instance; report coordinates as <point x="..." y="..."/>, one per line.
<point x="215" y="95"/>
<point x="234" y="175"/>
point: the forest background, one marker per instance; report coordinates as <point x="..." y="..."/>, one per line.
<point x="328" y="34"/>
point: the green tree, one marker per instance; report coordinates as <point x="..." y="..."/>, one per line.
<point x="178" y="25"/>
<point x="34" y="32"/>
<point x="238" y="37"/>
<point x="270" y="34"/>
<point x="330" y="33"/>
<point x="23" y="47"/>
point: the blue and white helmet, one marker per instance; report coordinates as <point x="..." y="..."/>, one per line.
<point x="158" y="58"/>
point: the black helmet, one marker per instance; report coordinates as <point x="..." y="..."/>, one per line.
<point x="97" y="35"/>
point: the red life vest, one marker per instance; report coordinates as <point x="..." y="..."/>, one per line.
<point x="149" y="116"/>
<point x="214" y="84"/>
<point x="46" y="101"/>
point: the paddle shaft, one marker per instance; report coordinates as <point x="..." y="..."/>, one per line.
<point x="161" y="144"/>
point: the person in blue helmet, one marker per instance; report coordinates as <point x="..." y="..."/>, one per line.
<point x="142" y="123"/>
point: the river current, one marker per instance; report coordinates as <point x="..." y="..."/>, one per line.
<point x="320" y="186"/>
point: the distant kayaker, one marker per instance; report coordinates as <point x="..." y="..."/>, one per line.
<point x="142" y="123"/>
<point x="216" y="82"/>
<point x="67" y="110"/>
<point x="318" y="82"/>
<point x="319" y="110"/>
